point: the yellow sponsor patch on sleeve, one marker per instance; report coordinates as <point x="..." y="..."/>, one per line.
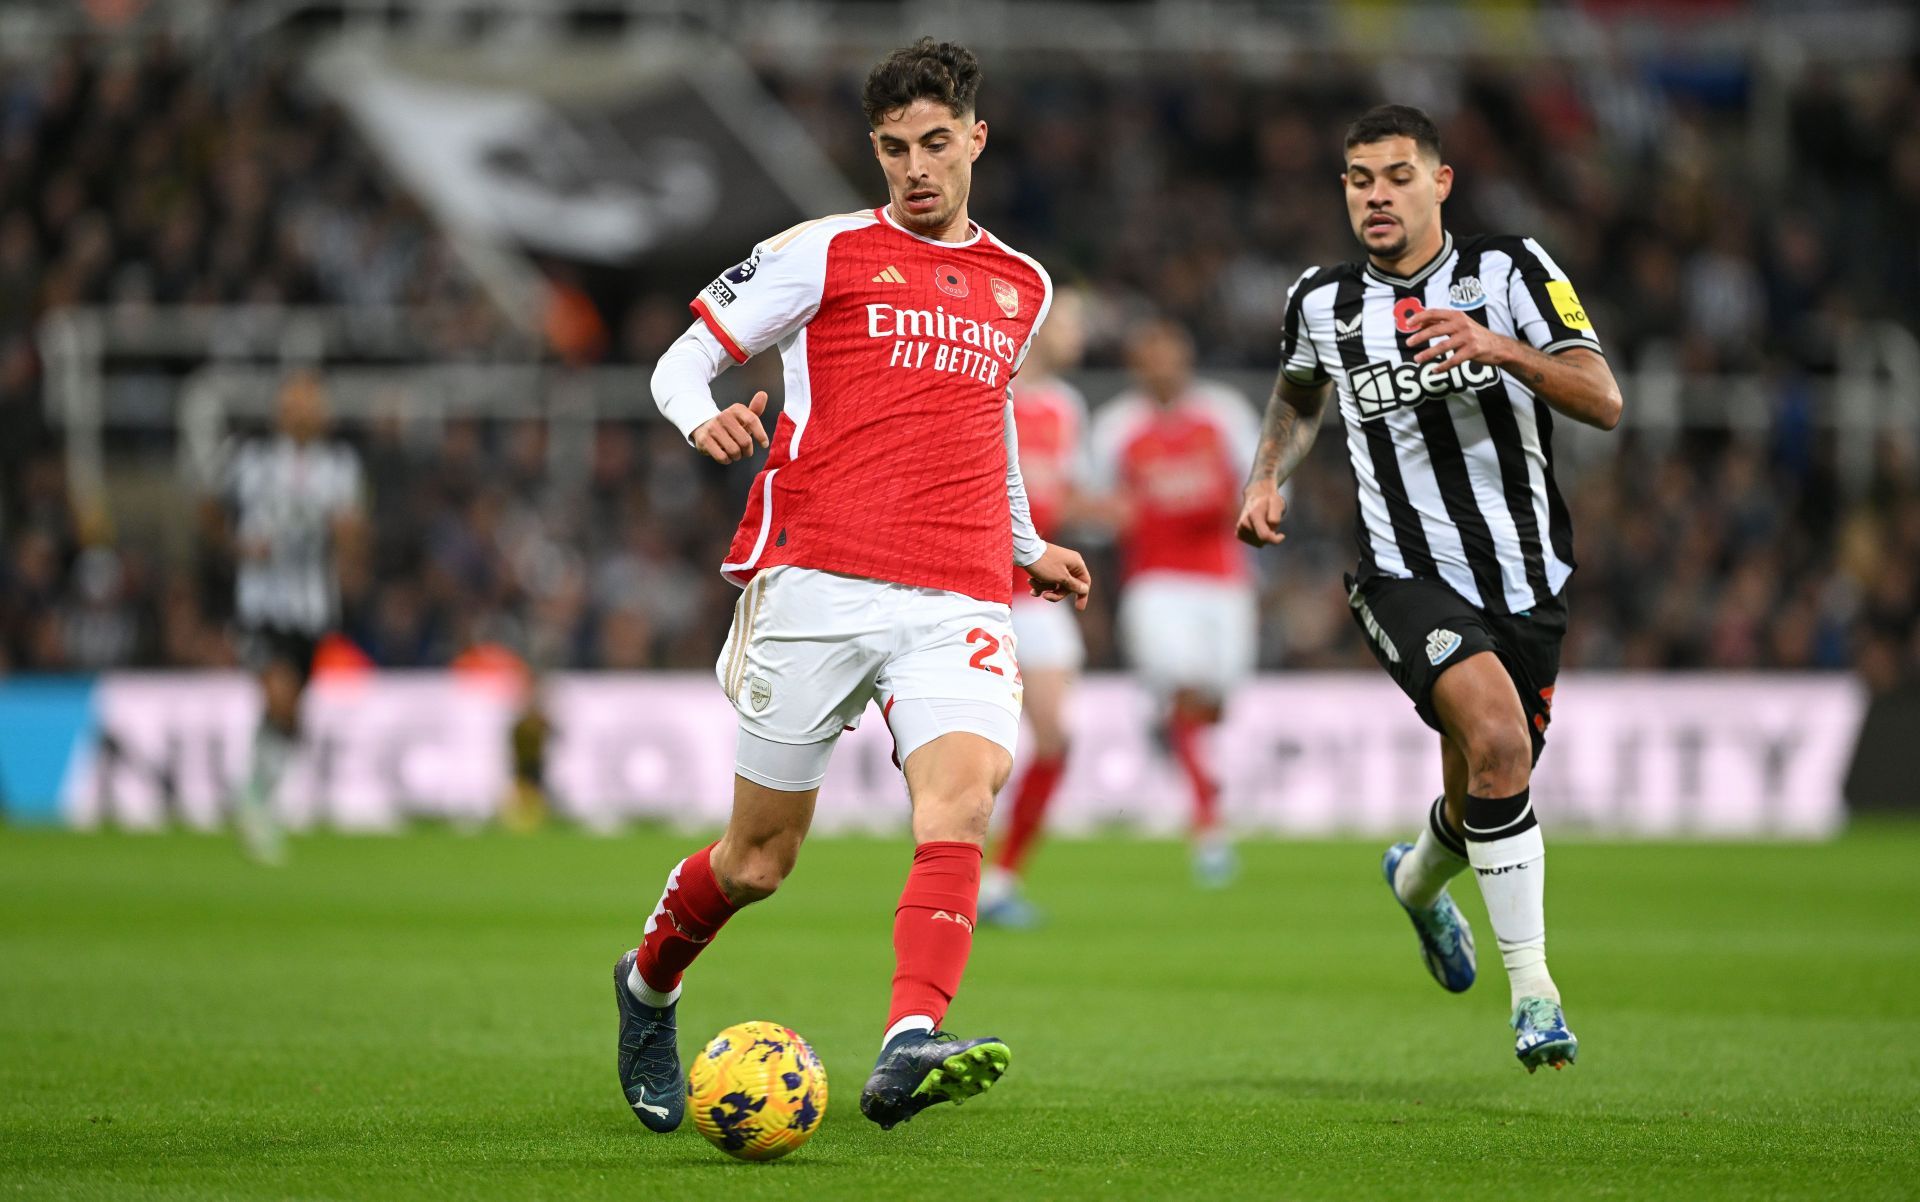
<point x="1566" y="302"/>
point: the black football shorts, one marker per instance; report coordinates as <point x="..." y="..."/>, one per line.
<point x="1419" y="628"/>
<point x="264" y="645"/>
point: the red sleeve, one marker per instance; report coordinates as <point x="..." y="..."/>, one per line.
<point x="700" y="309"/>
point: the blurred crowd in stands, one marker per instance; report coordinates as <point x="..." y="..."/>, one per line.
<point x="132" y="179"/>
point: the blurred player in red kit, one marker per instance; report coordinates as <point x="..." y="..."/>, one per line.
<point x="1051" y="417"/>
<point x="1171" y="452"/>
<point x="874" y="557"/>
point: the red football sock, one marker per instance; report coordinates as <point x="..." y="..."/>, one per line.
<point x="691" y="911"/>
<point x="1188" y="736"/>
<point x="1029" y="810"/>
<point x="933" y="928"/>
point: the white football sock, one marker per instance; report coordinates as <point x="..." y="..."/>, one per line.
<point x="1425" y="871"/>
<point x="1513" y="877"/>
<point x="646" y="994"/>
<point x="997" y="885"/>
<point x="912" y="1022"/>
<point x="272" y="749"/>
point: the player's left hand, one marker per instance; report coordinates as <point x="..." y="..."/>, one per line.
<point x="1452" y="335"/>
<point x="1060" y="573"/>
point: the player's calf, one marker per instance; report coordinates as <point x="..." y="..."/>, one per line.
<point x="920" y="1066"/>
<point x="1509" y="858"/>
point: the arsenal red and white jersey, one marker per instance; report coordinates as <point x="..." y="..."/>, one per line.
<point x="1050" y="417"/>
<point x="889" y="460"/>
<point x="1180" y="469"/>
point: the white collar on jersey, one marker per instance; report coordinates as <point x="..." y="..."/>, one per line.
<point x="886" y="214"/>
<point x="1408" y="281"/>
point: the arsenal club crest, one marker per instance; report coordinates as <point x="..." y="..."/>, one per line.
<point x="949" y="280"/>
<point x="1006" y="295"/>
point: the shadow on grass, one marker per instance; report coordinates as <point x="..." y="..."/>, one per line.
<point x="803" y="1161"/>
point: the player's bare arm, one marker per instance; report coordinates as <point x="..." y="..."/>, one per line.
<point x="1576" y="382"/>
<point x="1287" y="432"/>
<point x="732" y="434"/>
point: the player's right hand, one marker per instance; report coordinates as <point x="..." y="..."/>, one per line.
<point x="729" y="436"/>
<point x="1260" y="515"/>
<point x="1060" y="573"/>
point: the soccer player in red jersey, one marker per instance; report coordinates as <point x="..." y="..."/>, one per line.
<point x="1051" y="417"/>
<point x="874" y="558"/>
<point x="1172" y="452"/>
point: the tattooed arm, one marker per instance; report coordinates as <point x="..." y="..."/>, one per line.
<point x="1576" y="382"/>
<point x="1286" y="435"/>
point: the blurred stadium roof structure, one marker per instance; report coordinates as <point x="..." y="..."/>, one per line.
<point x="1254" y="30"/>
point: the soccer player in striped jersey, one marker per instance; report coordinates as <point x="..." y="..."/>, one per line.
<point x="294" y="504"/>
<point x="1450" y="357"/>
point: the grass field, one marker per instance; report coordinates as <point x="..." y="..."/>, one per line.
<point x="430" y="1017"/>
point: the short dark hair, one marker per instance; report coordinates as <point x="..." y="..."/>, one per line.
<point x="942" y="71"/>
<point x="1395" y="121"/>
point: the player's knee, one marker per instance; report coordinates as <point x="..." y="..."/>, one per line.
<point x="282" y="717"/>
<point x="1499" y="759"/>
<point x="957" y="814"/>
<point x="752" y="872"/>
<point x="1195" y="705"/>
<point x="280" y="697"/>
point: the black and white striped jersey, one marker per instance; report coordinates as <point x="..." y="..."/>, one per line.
<point x="1454" y="463"/>
<point x="285" y="496"/>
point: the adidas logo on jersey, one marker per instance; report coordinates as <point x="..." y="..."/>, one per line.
<point x="890" y="276"/>
<point x="1441" y="644"/>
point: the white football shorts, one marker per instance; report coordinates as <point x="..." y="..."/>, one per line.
<point x="1047" y="635"/>
<point x="809" y="649"/>
<point x="1184" y="631"/>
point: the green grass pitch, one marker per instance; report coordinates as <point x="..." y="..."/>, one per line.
<point x="429" y="1017"/>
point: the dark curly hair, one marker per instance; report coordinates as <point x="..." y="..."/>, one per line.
<point x="942" y="71"/>
<point x="1395" y="121"/>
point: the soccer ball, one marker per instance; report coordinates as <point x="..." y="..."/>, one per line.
<point x="757" y="1091"/>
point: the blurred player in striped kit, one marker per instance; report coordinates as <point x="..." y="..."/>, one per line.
<point x="293" y="509"/>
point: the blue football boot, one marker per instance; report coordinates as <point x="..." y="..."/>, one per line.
<point x="918" y="1069"/>
<point x="1012" y="912"/>
<point x="649" y="1058"/>
<point x="1215" y="863"/>
<point x="1541" y="1034"/>
<point x="1446" y="941"/>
